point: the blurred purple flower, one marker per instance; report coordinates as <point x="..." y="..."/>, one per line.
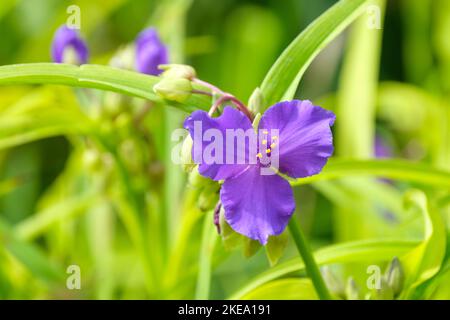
<point x="381" y="148"/>
<point x="150" y="52"/>
<point x="258" y="205"/>
<point x="66" y="38"/>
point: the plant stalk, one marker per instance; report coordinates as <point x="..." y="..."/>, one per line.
<point x="312" y="269"/>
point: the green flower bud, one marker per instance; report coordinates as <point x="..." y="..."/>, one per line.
<point x="334" y="284"/>
<point x="130" y="153"/>
<point x="92" y="160"/>
<point x="173" y="89"/>
<point x="256" y="102"/>
<point x="384" y="293"/>
<point x="207" y="199"/>
<point x="394" y="276"/>
<point x="256" y="121"/>
<point x="196" y="180"/>
<point x="352" y="290"/>
<point x="186" y="154"/>
<point x="178" y="71"/>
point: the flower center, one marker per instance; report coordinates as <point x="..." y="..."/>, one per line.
<point x="267" y="148"/>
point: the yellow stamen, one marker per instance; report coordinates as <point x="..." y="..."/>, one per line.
<point x="259" y="155"/>
<point x="264" y="142"/>
<point x="273" y="145"/>
<point x="266" y="132"/>
<point x="274" y="138"/>
<point x="268" y="151"/>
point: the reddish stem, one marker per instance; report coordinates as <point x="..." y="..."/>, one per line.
<point x="239" y="105"/>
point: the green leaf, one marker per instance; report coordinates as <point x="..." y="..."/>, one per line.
<point x="356" y="108"/>
<point x="388" y="168"/>
<point x="284" y="289"/>
<point x="357" y="251"/>
<point x="283" y="78"/>
<point x="30" y="256"/>
<point x="94" y="76"/>
<point x="39" y="222"/>
<point x="425" y="260"/>
<point x="43" y="123"/>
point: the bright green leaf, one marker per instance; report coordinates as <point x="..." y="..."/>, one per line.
<point x="283" y="78"/>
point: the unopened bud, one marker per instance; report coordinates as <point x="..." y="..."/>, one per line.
<point x="352" y="291"/>
<point x="333" y="283"/>
<point x="178" y="71"/>
<point x="173" y="89"/>
<point x="186" y="154"/>
<point x="196" y="180"/>
<point x="385" y="292"/>
<point x="256" y="102"/>
<point x="92" y="160"/>
<point x="207" y="199"/>
<point x="394" y="276"/>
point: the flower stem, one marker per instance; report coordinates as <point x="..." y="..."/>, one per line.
<point x="312" y="269"/>
<point x="209" y="236"/>
<point x="239" y="105"/>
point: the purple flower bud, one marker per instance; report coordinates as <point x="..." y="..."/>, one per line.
<point x="150" y="52"/>
<point x="66" y="39"/>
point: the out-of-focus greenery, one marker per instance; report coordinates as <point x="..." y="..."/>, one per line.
<point x="86" y="176"/>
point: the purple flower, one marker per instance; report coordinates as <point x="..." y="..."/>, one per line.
<point x="65" y="39"/>
<point x="259" y="205"/>
<point x="381" y="148"/>
<point x="150" y="52"/>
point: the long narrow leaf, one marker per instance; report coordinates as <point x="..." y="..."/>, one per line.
<point x="393" y="168"/>
<point x="93" y="76"/>
<point x="283" y="78"/>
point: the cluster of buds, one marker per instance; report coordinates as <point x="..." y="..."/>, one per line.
<point x="175" y="83"/>
<point x="389" y="286"/>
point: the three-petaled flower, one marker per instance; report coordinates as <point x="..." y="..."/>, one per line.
<point x="260" y="205"/>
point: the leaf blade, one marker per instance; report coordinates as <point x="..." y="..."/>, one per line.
<point x="282" y="79"/>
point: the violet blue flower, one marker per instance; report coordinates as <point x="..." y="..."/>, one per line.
<point x="258" y="205"/>
<point x="150" y="52"/>
<point x="66" y="39"/>
<point x="381" y="148"/>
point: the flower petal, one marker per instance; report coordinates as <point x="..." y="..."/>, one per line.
<point x="65" y="38"/>
<point x="150" y="52"/>
<point x="222" y="168"/>
<point x="305" y="139"/>
<point x="257" y="205"/>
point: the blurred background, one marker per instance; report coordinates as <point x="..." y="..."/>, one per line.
<point x="65" y="200"/>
